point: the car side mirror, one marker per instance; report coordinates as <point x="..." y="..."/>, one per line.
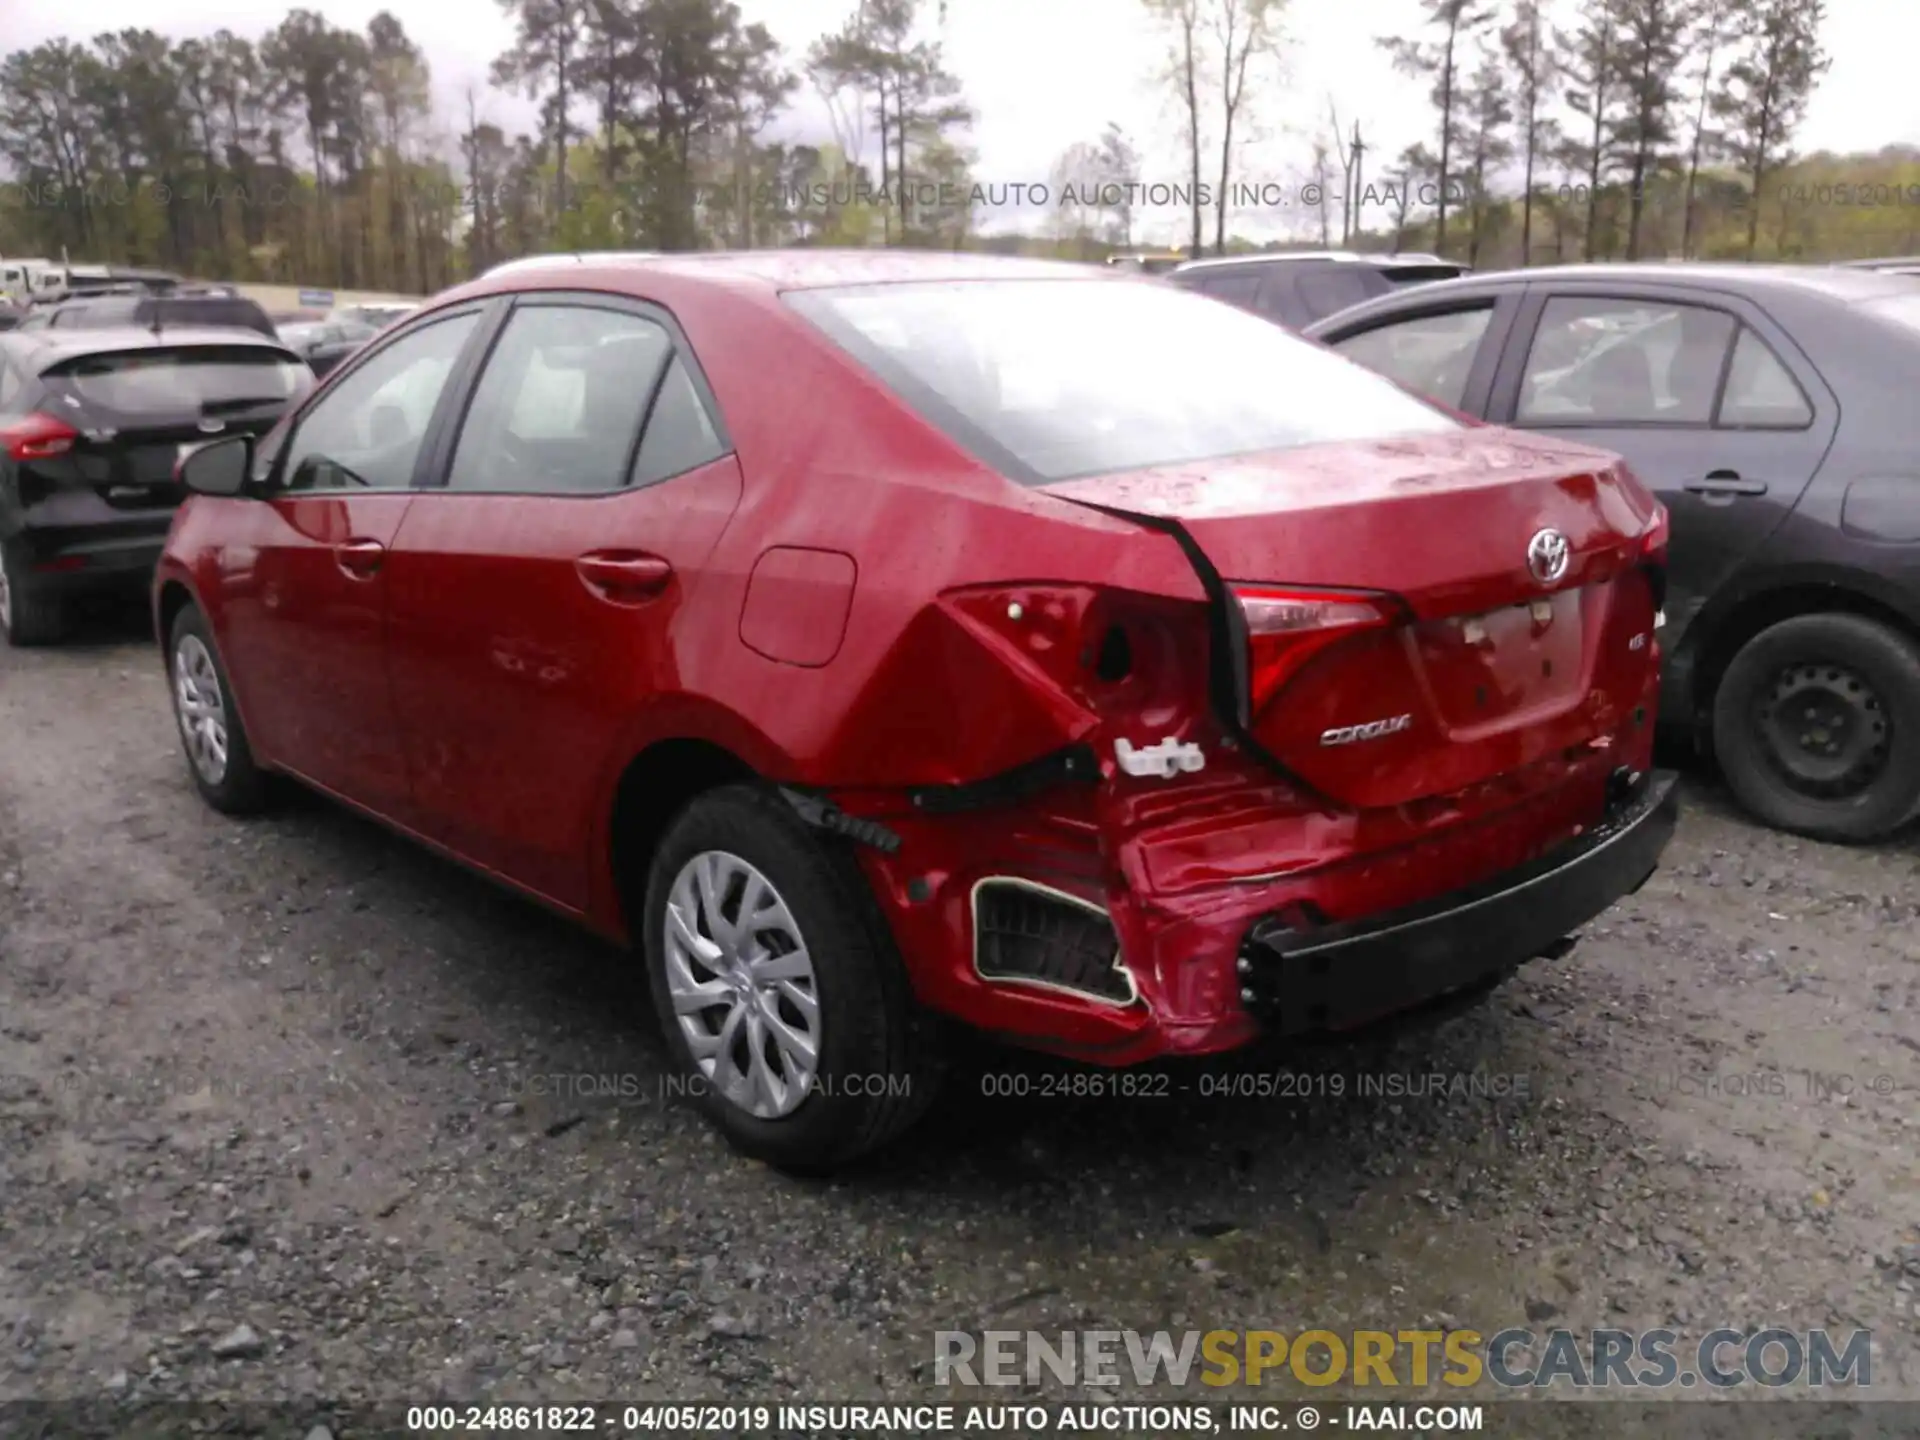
<point x="217" y="467"/>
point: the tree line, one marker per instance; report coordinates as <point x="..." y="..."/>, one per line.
<point x="1562" y="130"/>
<point x="312" y="152"/>
<point x="1637" y="105"/>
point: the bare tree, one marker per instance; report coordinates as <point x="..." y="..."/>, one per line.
<point x="1524" y="41"/>
<point x="1417" y="165"/>
<point x="1242" y="29"/>
<point x="1650" y="36"/>
<point x="1587" y="63"/>
<point x="1441" y="60"/>
<point x="1120" y="174"/>
<point x="545" y="60"/>
<point x="1322" y="177"/>
<point x="1352" y="151"/>
<point x="1489" y="146"/>
<point x="1713" y="22"/>
<point x="1182" y="19"/>
<point x="1768" y="86"/>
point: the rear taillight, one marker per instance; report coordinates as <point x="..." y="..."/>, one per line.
<point x="37" y="437"/>
<point x="1288" y="626"/>
<point x="1653" y="540"/>
<point x="1653" y="555"/>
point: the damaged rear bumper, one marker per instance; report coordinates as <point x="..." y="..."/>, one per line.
<point x="1335" y="977"/>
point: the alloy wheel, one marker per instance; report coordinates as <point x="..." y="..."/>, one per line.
<point x="742" y="985"/>
<point x="201" y="708"/>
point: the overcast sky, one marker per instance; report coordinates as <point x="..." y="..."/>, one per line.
<point x="1043" y="74"/>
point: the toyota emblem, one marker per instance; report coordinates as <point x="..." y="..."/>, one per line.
<point x="1547" y="556"/>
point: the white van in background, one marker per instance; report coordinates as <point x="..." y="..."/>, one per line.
<point x="20" y="279"/>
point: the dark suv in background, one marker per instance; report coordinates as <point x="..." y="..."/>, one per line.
<point x="1299" y="288"/>
<point x="91" y="423"/>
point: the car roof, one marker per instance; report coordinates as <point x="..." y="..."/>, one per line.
<point x="790" y="269"/>
<point x="1845" y="285"/>
<point x="1338" y="257"/>
<point x="46" y="348"/>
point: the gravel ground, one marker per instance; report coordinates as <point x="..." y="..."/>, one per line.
<point x="276" y="1121"/>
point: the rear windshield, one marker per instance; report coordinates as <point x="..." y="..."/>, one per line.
<point x="1049" y="380"/>
<point x="191" y="382"/>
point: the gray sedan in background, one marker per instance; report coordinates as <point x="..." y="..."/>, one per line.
<point x="1775" y="410"/>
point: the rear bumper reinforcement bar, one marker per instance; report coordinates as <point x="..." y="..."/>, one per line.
<point x="1336" y="977"/>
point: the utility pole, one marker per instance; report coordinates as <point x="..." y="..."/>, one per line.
<point x="1356" y="186"/>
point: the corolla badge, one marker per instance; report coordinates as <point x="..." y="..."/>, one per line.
<point x="1547" y="556"/>
<point x="212" y="427"/>
<point x="1372" y="730"/>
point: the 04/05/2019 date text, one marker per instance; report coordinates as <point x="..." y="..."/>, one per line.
<point x="1862" y="195"/>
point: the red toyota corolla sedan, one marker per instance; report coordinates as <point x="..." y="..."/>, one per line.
<point x="875" y="637"/>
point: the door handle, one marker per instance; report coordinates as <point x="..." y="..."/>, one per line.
<point x="359" y="558"/>
<point x="1726" y="482"/>
<point x="624" y="578"/>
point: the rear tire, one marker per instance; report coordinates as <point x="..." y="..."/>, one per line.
<point x="29" y="614"/>
<point x="1816" y="727"/>
<point x="211" y="733"/>
<point x="866" y="1064"/>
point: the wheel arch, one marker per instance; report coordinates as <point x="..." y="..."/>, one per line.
<point x="173" y="596"/>
<point x="1738" y="615"/>
<point x="683" y="748"/>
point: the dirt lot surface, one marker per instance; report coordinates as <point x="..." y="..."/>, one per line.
<point x="279" y="1117"/>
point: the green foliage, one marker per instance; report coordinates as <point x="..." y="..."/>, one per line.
<point x="310" y="151"/>
<point x="1649" y="129"/>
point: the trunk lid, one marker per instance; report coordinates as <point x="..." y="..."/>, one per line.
<point x="1398" y="644"/>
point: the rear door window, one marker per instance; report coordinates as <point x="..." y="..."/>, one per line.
<point x="1761" y="392"/>
<point x="1619" y="361"/>
<point x="680" y="433"/>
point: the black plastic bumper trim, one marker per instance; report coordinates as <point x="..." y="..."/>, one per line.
<point x="823" y="814"/>
<point x="1336" y="977"/>
<point x="1075" y="763"/>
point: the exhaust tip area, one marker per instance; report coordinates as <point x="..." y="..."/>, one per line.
<point x="1025" y="933"/>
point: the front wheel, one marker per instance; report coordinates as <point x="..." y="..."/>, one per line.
<point x="784" y="1002"/>
<point x="1816" y="727"/>
<point x="218" y="755"/>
